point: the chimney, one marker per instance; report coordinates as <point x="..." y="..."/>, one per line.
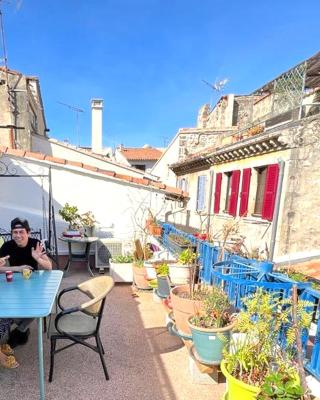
<point x="96" y="127"/>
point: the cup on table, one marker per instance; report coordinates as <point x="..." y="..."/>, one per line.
<point x="26" y="273"/>
<point x="9" y="276"/>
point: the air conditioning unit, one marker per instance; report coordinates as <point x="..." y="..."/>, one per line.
<point x="106" y="249"/>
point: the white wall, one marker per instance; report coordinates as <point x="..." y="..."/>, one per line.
<point x="113" y="202"/>
<point x="170" y="156"/>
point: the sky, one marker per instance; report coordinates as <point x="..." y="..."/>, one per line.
<point x="147" y="59"/>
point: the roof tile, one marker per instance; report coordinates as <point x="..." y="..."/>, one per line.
<point x="140" y="153"/>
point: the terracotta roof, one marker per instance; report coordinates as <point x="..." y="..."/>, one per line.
<point x="140" y="153"/>
<point x="169" y="190"/>
<point x="309" y="268"/>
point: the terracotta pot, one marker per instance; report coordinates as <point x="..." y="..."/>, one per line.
<point x="139" y="277"/>
<point x="155" y="230"/>
<point x="183" y="308"/>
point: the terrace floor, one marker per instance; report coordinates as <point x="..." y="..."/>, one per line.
<point x="144" y="361"/>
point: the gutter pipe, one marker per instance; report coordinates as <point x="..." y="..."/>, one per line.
<point x="277" y="209"/>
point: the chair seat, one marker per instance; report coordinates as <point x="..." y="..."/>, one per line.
<point x="77" y="324"/>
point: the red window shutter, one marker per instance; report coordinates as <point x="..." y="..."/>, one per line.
<point x="233" y="200"/>
<point x="270" y="191"/>
<point x="217" y="193"/>
<point x="244" y="196"/>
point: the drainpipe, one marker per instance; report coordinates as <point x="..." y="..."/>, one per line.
<point x="276" y="210"/>
<point x="210" y="201"/>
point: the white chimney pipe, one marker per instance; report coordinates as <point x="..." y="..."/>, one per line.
<point x="96" y="125"/>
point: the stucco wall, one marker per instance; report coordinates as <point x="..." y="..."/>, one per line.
<point x="170" y="156"/>
<point x="300" y="229"/>
<point x="114" y="203"/>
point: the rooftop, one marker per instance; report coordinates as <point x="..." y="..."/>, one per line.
<point x="141" y="153"/>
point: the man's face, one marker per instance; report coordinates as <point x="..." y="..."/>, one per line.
<point x="20" y="236"/>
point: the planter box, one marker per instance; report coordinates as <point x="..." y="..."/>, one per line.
<point x="121" y="272"/>
<point x="178" y="248"/>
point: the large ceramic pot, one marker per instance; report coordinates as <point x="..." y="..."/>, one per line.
<point x="209" y="342"/>
<point x="163" y="289"/>
<point x="238" y="390"/>
<point x="139" y="277"/>
<point x="121" y="272"/>
<point x="183" y="308"/>
<point x="179" y="274"/>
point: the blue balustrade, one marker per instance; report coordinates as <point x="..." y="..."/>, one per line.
<point x="240" y="277"/>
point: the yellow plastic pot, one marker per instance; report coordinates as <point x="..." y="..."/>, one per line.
<point x="238" y="390"/>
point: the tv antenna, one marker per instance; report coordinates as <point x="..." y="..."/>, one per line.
<point x="77" y="110"/>
<point x="217" y="86"/>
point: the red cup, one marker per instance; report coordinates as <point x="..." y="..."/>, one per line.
<point x="9" y="276"/>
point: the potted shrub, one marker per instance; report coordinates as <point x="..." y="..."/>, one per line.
<point x="71" y="215"/>
<point x="211" y="328"/>
<point x="257" y="357"/>
<point x="140" y="274"/>
<point x="88" y="221"/>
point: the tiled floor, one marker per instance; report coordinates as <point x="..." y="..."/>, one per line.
<point x="143" y="360"/>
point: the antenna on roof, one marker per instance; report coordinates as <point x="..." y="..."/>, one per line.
<point x="77" y="110"/>
<point x="217" y="86"/>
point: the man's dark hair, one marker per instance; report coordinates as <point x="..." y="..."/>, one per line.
<point x="20" y="223"/>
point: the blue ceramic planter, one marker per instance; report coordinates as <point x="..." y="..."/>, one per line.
<point x="208" y="343"/>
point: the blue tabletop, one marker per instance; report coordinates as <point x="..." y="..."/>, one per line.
<point x="29" y="298"/>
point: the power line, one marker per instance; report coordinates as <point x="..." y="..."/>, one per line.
<point x="77" y="110"/>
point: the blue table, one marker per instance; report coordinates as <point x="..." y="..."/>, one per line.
<point x="31" y="298"/>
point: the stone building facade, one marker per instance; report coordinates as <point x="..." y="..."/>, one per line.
<point x="263" y="170"/>
<point x="22" y="112"/>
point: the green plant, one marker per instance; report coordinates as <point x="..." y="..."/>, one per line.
<point x="138" y="263"/>
<point x="153" y="283"/>
<point x="186" y="257"/>
<point x="216" y="312"/>
<point x="122" y="259"/>
<point x="180" y="240"/>
<point x="284" y="383"/>
<point x="163" y="270"/>
<point x="257" y="348"/>
<point x="71" y="215"/>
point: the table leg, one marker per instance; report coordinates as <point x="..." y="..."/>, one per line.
<point x="40" y="355"/>
<point x="69" y="257"/>
<point x="87" y="255"/>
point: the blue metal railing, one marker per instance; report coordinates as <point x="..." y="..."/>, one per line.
<point x="240" y="277"/>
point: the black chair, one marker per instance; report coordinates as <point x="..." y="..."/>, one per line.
<point x="81" y="322"/>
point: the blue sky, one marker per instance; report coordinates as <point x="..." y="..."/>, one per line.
<point x="147" y="58"/>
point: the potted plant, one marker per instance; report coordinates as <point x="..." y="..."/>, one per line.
<point x="211" y="328"/>
<point x="163" y="289"/>
<point x="88" y="221"/>
<point x="140" y="274"/>
<point x="71" y="215"/>
<point x="265" y="345"/>
<point x="121" y="268"/>
<point x="180" y="272"/>
<point x="178" y="243"/>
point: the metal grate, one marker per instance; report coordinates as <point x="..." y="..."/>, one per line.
<point x="288" y="89"/>
<point x="106" y="249"/>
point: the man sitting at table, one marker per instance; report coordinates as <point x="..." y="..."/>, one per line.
<point x="21" y="252"/>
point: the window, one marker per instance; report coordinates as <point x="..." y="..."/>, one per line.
<point x="227" y="196"/>
<point x="217" y="193"/>
<point x="261" y="182"/>
<point x="201" y="193"/>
